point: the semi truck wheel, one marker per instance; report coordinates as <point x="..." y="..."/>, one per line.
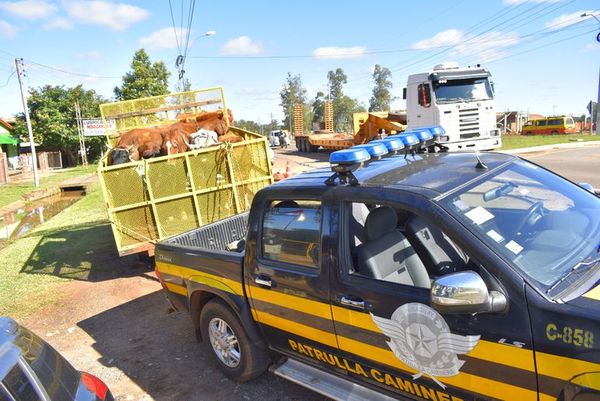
<point x="229" y="345"/>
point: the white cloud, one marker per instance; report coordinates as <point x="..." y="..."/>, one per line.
<point x="7" y="30"/>
<point x="241" y="46"/>
<point x="565" y="20"/>
<point x="91" y="55"/>
<point x="513" y="2"/>
<point x="333" y="52"/>
<point x="444" y="38"/>
<point x="593" y="46"/>
<point x="163" y="38"/>
<point x="115" y="16"/>
<point x="486" y="47"/>
<point x="58" y="23"/>
<point x="28" y="9"/>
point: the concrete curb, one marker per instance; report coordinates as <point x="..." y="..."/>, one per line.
<point x="542" y="148"/>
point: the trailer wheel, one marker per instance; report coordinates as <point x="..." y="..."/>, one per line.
<point x="229" y="345"/>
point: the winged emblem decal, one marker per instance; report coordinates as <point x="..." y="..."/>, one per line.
<point x="420" y="337"/>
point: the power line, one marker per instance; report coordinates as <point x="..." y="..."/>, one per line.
<point x="174" y="28"/>
<point x="8" y="79"/>
<point x="71" y="72"/>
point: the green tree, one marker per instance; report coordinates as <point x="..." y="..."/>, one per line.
<point x="291" y="94"/>
<point x="382" y="97"/>
<point x="343" y="105"/>
<point x="145" y="78"/>
<point x="53" y="121"/>
<point x="318" y="108"/>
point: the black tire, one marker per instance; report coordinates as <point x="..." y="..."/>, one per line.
<point x="253" y="360"/>
<point x="313" y="148"/>
<point x="554" y="133"/>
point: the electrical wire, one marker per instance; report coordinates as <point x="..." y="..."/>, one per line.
<point x="174" y="28"/>
<point x="12" y="74"/>
<point x="71" y="72"/>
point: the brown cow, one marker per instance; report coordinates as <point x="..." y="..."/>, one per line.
<point x="139" y="143"/>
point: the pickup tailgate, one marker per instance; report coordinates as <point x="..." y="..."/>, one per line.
<point x="199" y="260"/>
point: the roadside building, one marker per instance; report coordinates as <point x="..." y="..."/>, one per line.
<point x="9" y="151"/>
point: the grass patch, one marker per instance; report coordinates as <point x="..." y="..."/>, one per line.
<point x="14" y="191"/>
<point x="75" y="244"/>
<point x="522" y="141"/>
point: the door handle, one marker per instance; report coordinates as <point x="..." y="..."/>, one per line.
<point x="353" y="302"/>
<point x="263" y="280"/>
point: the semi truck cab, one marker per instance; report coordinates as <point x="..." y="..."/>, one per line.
<point x="461" y="100"/>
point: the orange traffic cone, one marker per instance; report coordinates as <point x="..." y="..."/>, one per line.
<point x="288" y="170"/>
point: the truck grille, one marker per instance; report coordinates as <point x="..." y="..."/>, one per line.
<point x="468" y="123"/>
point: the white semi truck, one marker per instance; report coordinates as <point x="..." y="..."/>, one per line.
<point x="461" y="100"/>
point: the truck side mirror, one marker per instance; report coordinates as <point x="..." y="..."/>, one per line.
<point x="465" y="292"/>
<point x="404" y="93"/>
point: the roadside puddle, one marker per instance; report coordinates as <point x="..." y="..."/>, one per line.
<point x="19" y="222"/>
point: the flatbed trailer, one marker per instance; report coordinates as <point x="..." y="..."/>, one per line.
<point x="366" y="127"/>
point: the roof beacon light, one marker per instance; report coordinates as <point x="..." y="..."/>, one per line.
<point x="425" y="136"/>
<point x="376" y="150"/>
<point x="344" y="162"/>
<point x="393" y="144"/>
<point x="436" y="131"/>
<point x="410" y="140"/>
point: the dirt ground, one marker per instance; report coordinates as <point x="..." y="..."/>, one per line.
<point x="119" y="327"/>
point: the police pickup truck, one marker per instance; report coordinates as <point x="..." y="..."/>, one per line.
<point x="443" y="277"/>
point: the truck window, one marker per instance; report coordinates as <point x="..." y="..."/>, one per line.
<point x="540" y="123"/>
<point x="291" y="232"/>
<point x="570" y="121"/>
<point x="424" y="95"/>
<point x="555" y="121"/>
<point x="394" y="245"/>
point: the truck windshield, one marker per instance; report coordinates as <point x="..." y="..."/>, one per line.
<point x="462" y="90"/>
<point x="543" y="225"/>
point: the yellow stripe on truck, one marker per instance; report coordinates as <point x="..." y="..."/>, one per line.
<point x="191" y="274"/>
<point x="562" y="367"/>
<point x="469" y="382"/>
<point x="486" y="350"/>
<point x="177" y="289"/>
<point x="293" y="327"/>
<point x="300" y="304"/>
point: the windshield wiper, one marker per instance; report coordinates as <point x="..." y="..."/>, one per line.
<point x="580" y="268"/>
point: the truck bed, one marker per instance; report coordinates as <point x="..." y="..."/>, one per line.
<point x="214" y="236"/>
<point x="201" y="256"/>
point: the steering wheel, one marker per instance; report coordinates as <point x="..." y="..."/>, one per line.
<point x="537" y="207"/>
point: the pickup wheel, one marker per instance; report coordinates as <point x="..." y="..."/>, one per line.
<point x="230" y="347"/>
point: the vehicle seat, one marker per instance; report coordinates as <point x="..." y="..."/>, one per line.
<point x="387" y="255"/>
<point x="439" y="254"/>
<point x="358" y="217"/>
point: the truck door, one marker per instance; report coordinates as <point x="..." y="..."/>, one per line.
<point x="287" y="287"/>
<point x="425" y="111"/>
<point x="387" y="328"/>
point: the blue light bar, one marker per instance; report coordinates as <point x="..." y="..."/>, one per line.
<point x="392" y="143"/>
<point x="436" y="130"/>
<point x="376" y="150"/>
<point x="423" y="134"/>
<point x="408" y="139"/>
<point x="349" y="156"/>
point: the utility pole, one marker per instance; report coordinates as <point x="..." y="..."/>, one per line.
<point x="20" y="74"/>
<point x="82" y="149"/>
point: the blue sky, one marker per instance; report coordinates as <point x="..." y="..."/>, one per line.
<point x="542" y="55"/>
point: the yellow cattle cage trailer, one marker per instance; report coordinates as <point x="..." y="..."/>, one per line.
<point x="152" y="199"/>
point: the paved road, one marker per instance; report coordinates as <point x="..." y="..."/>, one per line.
<point x="578" y="165"/>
